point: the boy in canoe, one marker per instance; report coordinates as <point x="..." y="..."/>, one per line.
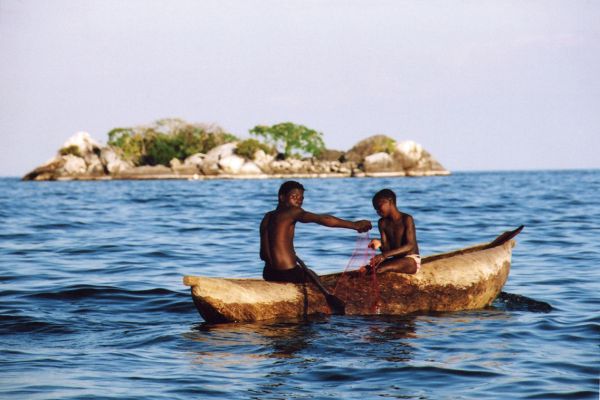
<point x="398" y="243"/>
<point x="277" y="235"/>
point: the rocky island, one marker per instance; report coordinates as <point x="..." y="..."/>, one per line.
<point x="175" y="149"/>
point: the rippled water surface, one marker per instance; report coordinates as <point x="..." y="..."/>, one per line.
<point x="92" y="303"/>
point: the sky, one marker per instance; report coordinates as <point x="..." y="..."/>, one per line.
<point x="482" y="85"/>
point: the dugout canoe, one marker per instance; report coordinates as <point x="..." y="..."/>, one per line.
<point x="465" y="279"/>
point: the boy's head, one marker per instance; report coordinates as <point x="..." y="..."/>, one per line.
<point x="381" y="198"/>
<point x="286" y="189"/>
<point x="384" y="194"/>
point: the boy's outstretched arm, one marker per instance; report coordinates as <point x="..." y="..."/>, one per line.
<point x="334" y="222"/>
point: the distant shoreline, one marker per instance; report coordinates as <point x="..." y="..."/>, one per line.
<point x="82" y="158"/>
<point x="198" y="177"/>
<point x="316" y="176"/>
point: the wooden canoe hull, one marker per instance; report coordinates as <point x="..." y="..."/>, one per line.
<point x="466" y="279"/>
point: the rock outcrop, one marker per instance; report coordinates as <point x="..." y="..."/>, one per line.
<point x="113" y="162"/>
<point x="79" y="157"/>
<point x="83" y="158"/>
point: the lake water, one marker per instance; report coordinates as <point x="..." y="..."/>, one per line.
<point x="92" y="303"/>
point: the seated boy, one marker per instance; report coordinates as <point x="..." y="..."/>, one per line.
<point x="398" y="244"/>
<point x="277" y="235"/>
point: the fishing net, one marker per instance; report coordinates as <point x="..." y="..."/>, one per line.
<point x="361" y="255"/>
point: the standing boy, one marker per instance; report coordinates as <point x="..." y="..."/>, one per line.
<point x="277" y="235"/>
<point x="398" y="244"/>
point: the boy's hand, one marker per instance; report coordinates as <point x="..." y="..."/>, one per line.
<point x="375" y="244"/>
<point x="375" y="261"/>
<point x="363" y="225"/>
<point x="365" y="269"/>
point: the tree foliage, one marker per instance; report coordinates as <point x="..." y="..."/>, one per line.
<point x="288" y="137"/>
<point x="383" y="144"/>
<point x="166" y="139"/>
<point x="72" y="149"/>
<point x="248" y="148"/>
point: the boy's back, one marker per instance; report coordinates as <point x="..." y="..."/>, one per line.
<point x="277" y="232"/>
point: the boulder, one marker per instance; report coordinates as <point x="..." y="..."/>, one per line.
<point x="195" y="160"/>
<point x="410" y="149"/>
<point x="47" y="171"/>
<point x="263" y="160"/>
<point x="250" y="168"/>
<point x="210" y="163"/>
<point x="231" y="164"/>
<point x="113" y="163"/>
<point x="382" y="154"/>
<point x="280" y="167"/>
<point x="79" y="156"/>
<point x="291" y="166"/>
<point x="371" y="145"/>
<point x="175" y="163"/>
<point x="408" y="154"/>
<point x="296" y="167"/>
<point x="379" y="162"/>
<point x="180" y="168"/>
<point x="72" y="165"/>
<point x="417" y="161"/>
<point x="84" y="143"/>
<point x="95" y="167"/>
<point x="325" y="167"/>
<point x="345" y="169"/>
<point x="224" y="150"/>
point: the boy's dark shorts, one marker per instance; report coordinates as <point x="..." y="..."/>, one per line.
<point x="294" y="275"/>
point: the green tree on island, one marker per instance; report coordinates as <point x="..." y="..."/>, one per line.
<point x="166" y="139"/>
<point x="289" y="137"/>
<point x="248" y="148"/>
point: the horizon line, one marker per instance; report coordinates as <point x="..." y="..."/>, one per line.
<point x="568" y="169"/>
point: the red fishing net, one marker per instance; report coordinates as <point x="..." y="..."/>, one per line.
<point x="360" y="257"/>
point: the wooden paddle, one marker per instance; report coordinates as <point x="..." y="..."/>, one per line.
<point x="336" y="304"/>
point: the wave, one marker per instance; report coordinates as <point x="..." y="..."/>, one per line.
<point x="11" y="324"/>
<point x="145" y="300"/>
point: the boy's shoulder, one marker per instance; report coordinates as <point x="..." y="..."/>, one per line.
<point x="287" y="211"/>
<point x="405" y="218"/>
<point x="269" y="213"/>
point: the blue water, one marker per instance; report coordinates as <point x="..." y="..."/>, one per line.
<point x="92" y="304"/>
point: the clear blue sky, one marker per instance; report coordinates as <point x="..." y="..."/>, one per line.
<point x="483" y="85"/>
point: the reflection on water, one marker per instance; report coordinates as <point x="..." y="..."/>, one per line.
<point x="301" y="339"/>
<point x="517" y="302"/>
<point x="356" y="352"/>
<point x="388" y="328"/>
<point x="273" y="339"/>
<point x="388" y="339"/>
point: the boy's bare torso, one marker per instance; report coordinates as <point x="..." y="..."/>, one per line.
<point x="277" y="238"/>
<point x="278" y="227"/>
<point x="395" y="233"/>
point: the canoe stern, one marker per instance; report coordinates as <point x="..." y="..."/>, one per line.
<point x="238" y="300"/>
